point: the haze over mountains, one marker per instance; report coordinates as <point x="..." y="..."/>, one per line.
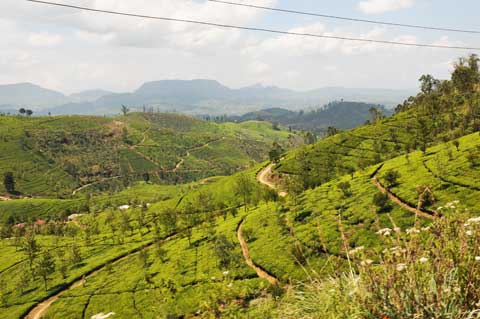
<point x="187" y="96"/>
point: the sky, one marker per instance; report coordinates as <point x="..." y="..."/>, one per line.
<point x="71" y="51"/>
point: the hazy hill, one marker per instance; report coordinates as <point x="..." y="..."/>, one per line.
<point x="342" y="115"/>
<point x="29" y="95"/>
<point x="88" y="96"/>
<point x="192" y="97"/>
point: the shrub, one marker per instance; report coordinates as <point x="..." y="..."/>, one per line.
<point x="391" y="177"/>
<point x="345" y="187"/>
<point x="422" y="272"/>
<point x="381" y="201"/>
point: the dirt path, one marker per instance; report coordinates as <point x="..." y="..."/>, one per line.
<point x="264" y="178"/>
<point x="93" y="183"/>
<point x="187" y="153"/>
<point x="262" y="273"/>
<point x="41" y="309"/>
<point x="400" y="202"/>
<point x="4" y="198"/>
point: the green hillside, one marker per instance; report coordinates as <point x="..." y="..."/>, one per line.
<point x="442" y="111"/>
<point x="56" y="156"/>
<point x="377" y="222"/>
<point x="291" y="240"/>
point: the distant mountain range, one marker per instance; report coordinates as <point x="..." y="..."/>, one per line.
<point x="190" y="97"/>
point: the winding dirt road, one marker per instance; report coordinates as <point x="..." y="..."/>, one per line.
<point x="400" y="202"/>
<point x="264" y="177"/>
<point x="41" y="309"/>
<point x="261" y="273"/>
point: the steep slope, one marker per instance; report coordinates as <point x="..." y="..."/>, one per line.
<point x="442" y="111"/>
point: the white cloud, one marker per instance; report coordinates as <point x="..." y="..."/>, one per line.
<point x="47" y="40"/>
<point x="381" y="6"/>
<point x="120" y="53"/>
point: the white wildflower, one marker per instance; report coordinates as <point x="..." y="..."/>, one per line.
<point x="356" y="250"/>
<point x="366" y="262"/>
<point x="385" y="232"/>
<point x="477" y="258"/>
<point x="425" y="228"/>
<point x="213" y="278"/>
<point x="412" y="231"/>
<point x="469" y="233"/>
<point x="474" y="220"/>
<point x="466" y="224"/>
<point x="226" y="272"/>
<point x="230" y="285"/>
<point x="401" y="267"/>
<point x="423" y="260"/>
<point x="440" y="208"/>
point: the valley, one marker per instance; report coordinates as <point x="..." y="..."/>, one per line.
<point x="163" y="215"/>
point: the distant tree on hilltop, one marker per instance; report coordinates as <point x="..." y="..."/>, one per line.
<point x="125" y="109"/>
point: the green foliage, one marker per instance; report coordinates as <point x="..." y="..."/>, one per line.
<point x="45" y="266"/>
<point x="58" y="156"/>
<point x="9" y="182"/>
<point x="382" y="202"/>
<point x="391" y="177"/>
<point x="345" y="187"/>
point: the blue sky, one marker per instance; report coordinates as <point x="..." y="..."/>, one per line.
<point x="72" y="51"/>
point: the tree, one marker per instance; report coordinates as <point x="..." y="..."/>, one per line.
<point x="22" y="111"/>
<point x="168" y="219"/>
<point x="466" y="74"/>
<point x="3" y="291"/>
<point x="295" y="186"/>
<point x="244" y="188"/>
<point x="331" y="131"/>
<point x="428" y="83"/>
<point x="391" y="177"/>
<point x="275" y="126"/>
<point x="376" y="114"/>
<point x="345" y="187"/>
<point x="189" y="219"/>
<point x="30" y="248"/>
<point x="23" y="281"/>
<point x="125" y="109"/>
<point x="29" y="112"/>
<point x="224" y="249"/>
<point x="456" y="143"/>
<point x="146" y="177"/>
<point x="46" y="266"/>
<point x="76" y="256"/>
<point x="309" y="138"/>
<point x="381" y="201"/>
<point x="275" y="153"/>
<point x="9" y="182"/>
